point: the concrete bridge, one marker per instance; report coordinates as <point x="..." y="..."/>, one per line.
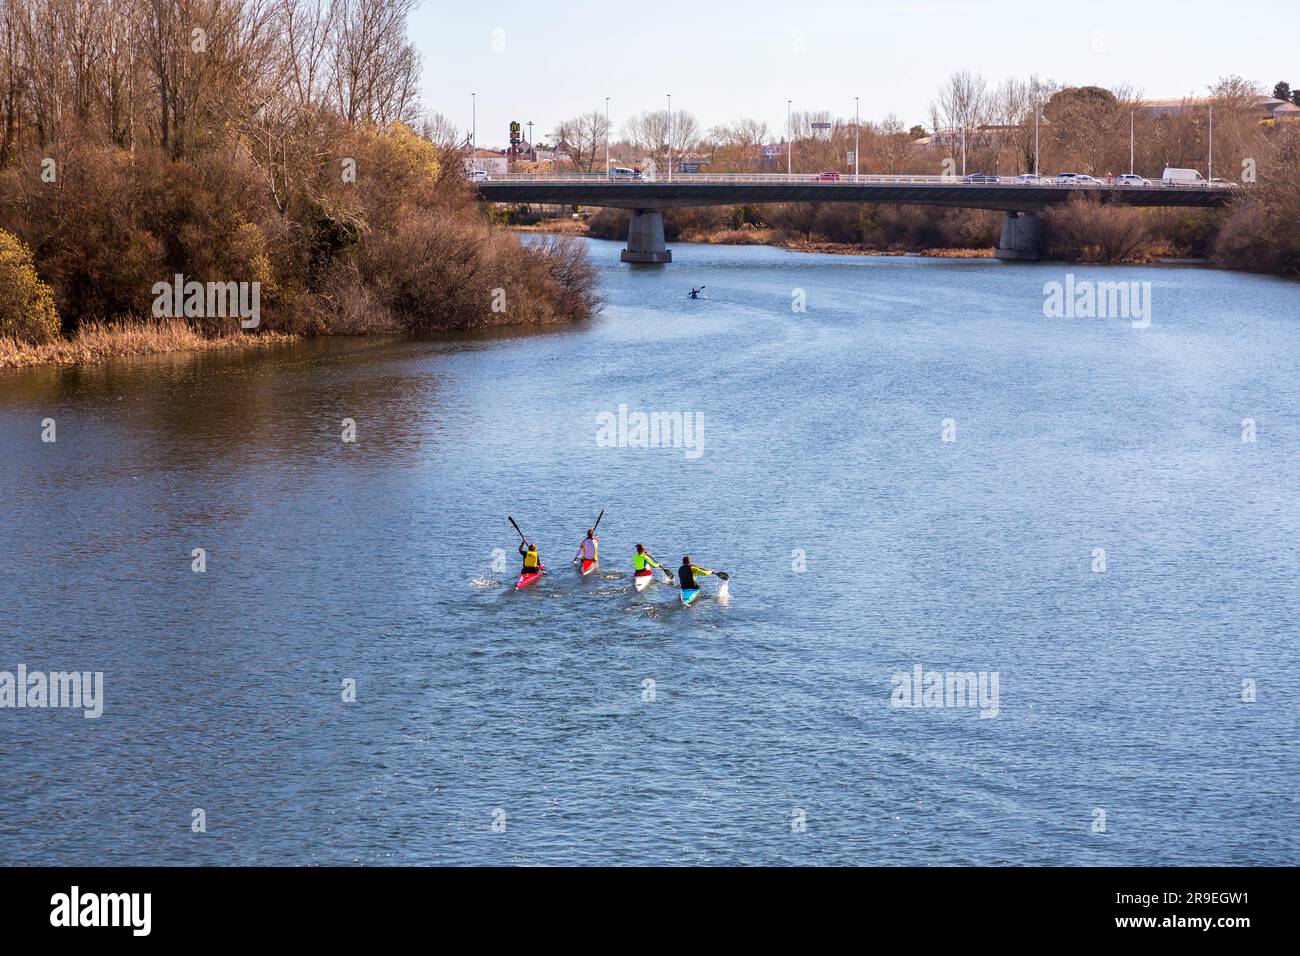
<point x="1020" y="200"/>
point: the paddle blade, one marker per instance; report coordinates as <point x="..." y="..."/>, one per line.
<point x="724" y="575"/>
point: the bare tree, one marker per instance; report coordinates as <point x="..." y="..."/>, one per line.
<point x="962" y="107"/>
<point x="374" y="71"/>
<point x="583" y="138"/>
<point x="649" y="133"/>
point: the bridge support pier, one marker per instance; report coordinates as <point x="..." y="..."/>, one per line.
<point x="1020" y="237"/>
<point x="645" y="238"/>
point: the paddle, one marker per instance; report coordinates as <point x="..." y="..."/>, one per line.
<point x="668" y="575"/>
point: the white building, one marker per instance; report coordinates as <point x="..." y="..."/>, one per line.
<point x="490" y="161"/>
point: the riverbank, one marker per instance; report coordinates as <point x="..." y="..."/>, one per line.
<point x="98" y="343"/>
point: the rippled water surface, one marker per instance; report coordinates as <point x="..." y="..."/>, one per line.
<point x="821" y="448"/>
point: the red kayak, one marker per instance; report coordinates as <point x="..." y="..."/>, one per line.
<point x="588" y="566"/>
<point x="528" y="580"/>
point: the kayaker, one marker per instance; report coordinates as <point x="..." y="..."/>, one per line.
<point x="532" y="560"/>
<point x="695" y="293"/>
<point x="641" y="561"/>
<point x="686" y="574"/>
<point x="589" y="547"/>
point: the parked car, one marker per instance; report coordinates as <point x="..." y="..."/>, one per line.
<point x="1030" y="179"/>
<point x="623" y="172"/>
<point x="1173" y="176"/>
<point x="828" y="177"/>
<point x="1222" y="183"/>
<point x="1083" y="179"/>
<point x="1064" y="179"/>
<point x="478" y="176"/>
<point x="1130" y="179"/>
<point x="979" y="178"/>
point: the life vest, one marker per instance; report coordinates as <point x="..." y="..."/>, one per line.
<point x="686" y="576"/>
<point x="530" y="560"/>
<point x="640" y="561"/>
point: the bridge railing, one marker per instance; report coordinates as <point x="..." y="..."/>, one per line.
<point x="843" y="180"/>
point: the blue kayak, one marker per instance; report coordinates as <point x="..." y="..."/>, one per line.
<point x="689" y="595"/>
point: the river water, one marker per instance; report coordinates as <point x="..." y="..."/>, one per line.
<point x="582" y="722"/>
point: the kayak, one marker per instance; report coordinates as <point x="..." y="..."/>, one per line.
<point x="689" y="595"/>
<point x="588" y="566"/>
<point x="643" y="578"/>
<point x="527" y="580"/>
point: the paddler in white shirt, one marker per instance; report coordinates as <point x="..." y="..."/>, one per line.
<point x="589" y="548"/>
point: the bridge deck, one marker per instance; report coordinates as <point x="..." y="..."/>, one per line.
<point x="726" y="190"/>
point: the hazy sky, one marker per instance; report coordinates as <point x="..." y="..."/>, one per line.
<point x="722" y="59"/>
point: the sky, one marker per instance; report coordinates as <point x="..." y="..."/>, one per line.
<point x="724" y="59"/>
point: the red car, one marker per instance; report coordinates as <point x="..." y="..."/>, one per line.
<point x="828" y="177"/>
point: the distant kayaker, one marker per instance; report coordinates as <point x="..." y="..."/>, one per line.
<point x="641" y="561"/>
<point x="589" y="547"/>
<point x="695" y="293"/>
<point x="532" y="560"/>
<point x="686" y="574"/>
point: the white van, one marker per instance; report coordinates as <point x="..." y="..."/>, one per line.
<point x="622" y="172"/>
<point x="1181" y="177"/>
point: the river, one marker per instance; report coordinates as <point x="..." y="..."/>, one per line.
<point x="918" y="470"/>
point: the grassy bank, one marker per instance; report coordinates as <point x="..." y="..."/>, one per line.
<point x="96" y="343"/>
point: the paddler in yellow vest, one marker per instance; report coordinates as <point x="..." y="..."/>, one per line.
<point x="589" y="547"/>
<point x="532" y="561"/>
<point x="641" y="561"/>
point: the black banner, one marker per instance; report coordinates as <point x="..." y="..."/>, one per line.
<point x="333" y="905"/>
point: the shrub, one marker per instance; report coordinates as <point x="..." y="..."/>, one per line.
<point x="27" y="310"/>
<point x="1089" y="230"/>
<point x="1262" y="232"/>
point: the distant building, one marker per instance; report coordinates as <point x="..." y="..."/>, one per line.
<point x="491" y="161"/>
<point x="547" y="154"/>
<point x="1270" y="108"/>
<point x="976" y="136"/>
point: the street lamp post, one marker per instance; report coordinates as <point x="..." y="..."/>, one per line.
<point x="789" y="141"/>
<point x="532" y="149"/>
<point x="607" y="137"/>
<point x="855" y="138"/>
<point x="1209" y="162"/>
<point x="1130" y="142"/>
<point x="1036" y="111"/>
<point x="670" y="137"/>
<point x="473" y="131"/>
